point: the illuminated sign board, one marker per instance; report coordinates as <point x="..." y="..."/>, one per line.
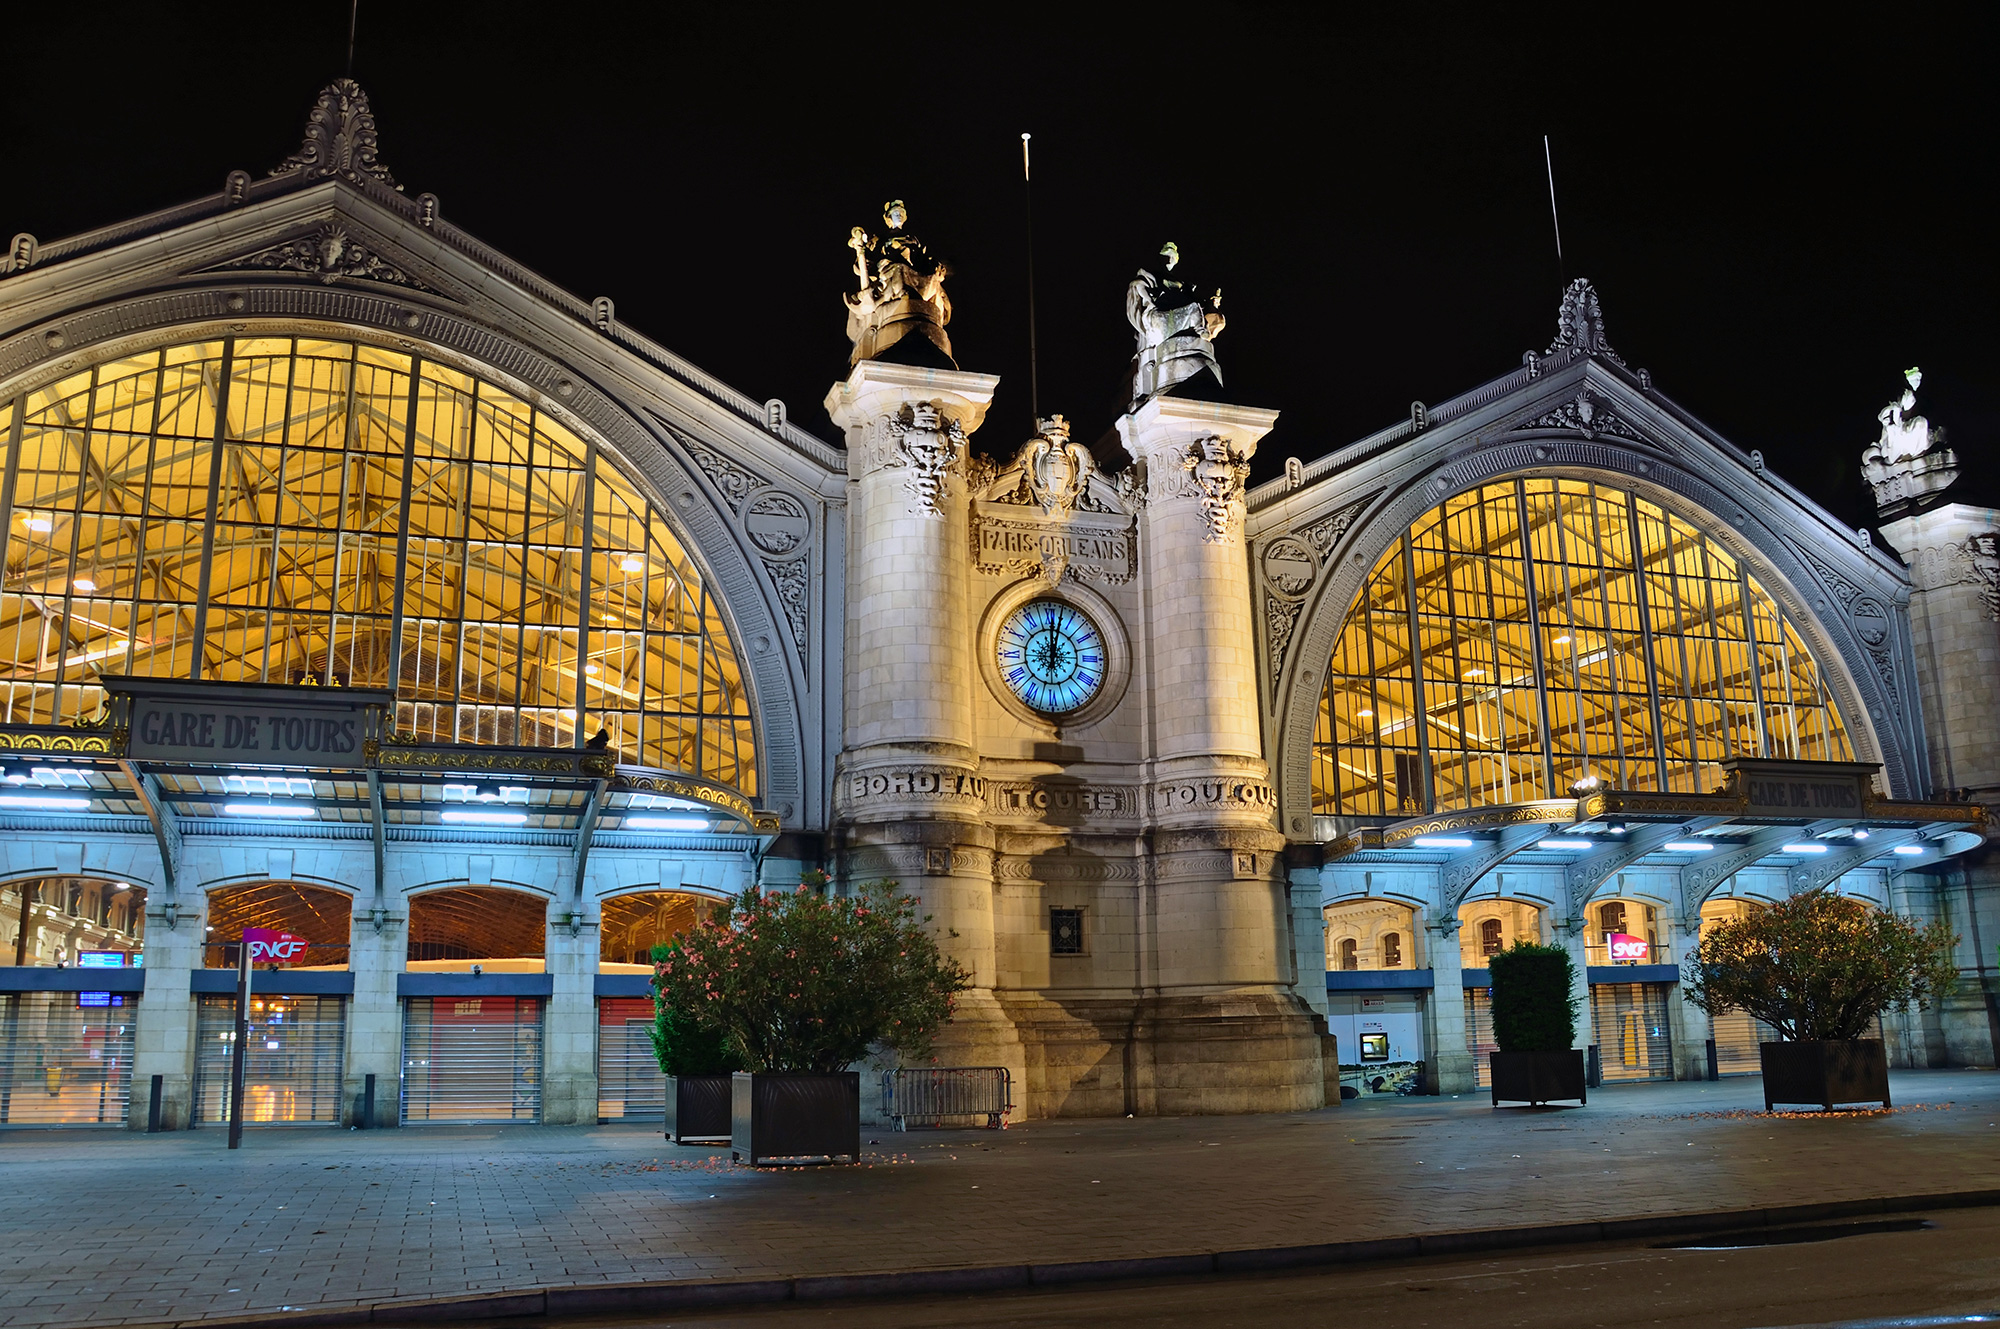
<point x="86" y="1000"/>
<point x="100" y="960"/>
<point x="270" y="946"/>
<point x="1626" y="947"/>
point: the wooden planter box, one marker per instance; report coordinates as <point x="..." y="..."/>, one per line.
<point x="1537" y="1077"/>
<point x="697" y="1108"/>
<point x="1825" y="1072"/>
<point x="795" y="1117"/>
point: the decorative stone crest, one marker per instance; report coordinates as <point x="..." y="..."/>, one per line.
<point x="901" y="291"/>
<point x="1580" y="326"/>
<point x="1908" y="466"/>
<point x="778" y="525"/>
<point x="928" y="443"/>
<point x="1058" y="470"/>
<point x="1219" y="470"/>
<point x="1289" y="566"/>
<point x="340" y="138"/>
<point x="1583" y="414"/>
<point x="329" y="253"/>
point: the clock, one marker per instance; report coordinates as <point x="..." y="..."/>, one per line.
<point x="1051" y="656"/>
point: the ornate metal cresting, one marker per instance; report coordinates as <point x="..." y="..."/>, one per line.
<point x="1176" y="330"/>
<point x="1908" y="466"/>
<point x="340" y="138"/>
<point x="901" y="290"/>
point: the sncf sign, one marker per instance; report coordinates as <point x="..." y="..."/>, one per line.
<point x="1625" y="946"/>
<point x="270" y="946"/>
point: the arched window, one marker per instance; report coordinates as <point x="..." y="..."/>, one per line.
<point x="1490" y="939"/>
<point x="1392" y="950"/>
<point x="1564" y="628"/>
<point x="1611" y="916"/>
<point x="340" y="504"/>
<point x="1350" y="954"/>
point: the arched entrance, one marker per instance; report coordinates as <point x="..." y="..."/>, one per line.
<point x="476" y="1056"/>
<point x="630" y="1086"/>
<point x="296" y="1048"/>
<point x="66" y="1057"/>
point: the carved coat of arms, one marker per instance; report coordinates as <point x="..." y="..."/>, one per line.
<point x="928" y="443"/>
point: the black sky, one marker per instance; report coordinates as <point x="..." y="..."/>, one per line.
<point x="1781" y="213"/>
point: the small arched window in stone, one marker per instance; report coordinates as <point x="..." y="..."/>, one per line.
<point x="1489" y="937"/>
<point x="1350" y="954"/>
<point x="1392" y="950"/>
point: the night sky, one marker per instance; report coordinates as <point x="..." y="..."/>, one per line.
<point x="1779" y="220"/>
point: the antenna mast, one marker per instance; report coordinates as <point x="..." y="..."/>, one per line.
<point x="1548" y="160"/>
<point x="353" y="20"/>
<point x="1028" y="194"/>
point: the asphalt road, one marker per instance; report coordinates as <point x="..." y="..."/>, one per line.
<point x="1951" y="1267"/>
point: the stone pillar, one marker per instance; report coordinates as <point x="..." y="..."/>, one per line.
<point x="163" y="1034"/>
<point x="1302" y="867"/>
<point x="374" y="1015"/>
<point x="1449" y="1067"/>
<point x="1954" y="555"/>
<point x="569" y="1026"/>
<point x="1686" y="1022"/>
<point x="908" y="794"/>
<point x="1229" y="1031"/>
<point x="1570" y="934"/>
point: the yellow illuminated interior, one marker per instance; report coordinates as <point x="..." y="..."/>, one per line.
<point x="1565" y="630"/>
<point x="154" y="530"/>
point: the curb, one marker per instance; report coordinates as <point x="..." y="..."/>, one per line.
<point x="682" y="1295"/>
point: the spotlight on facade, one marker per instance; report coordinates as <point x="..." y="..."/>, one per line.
<point x="466" y="817"/>
<point x="1802" y="849"/>
<point x="269" y="810"/>
<point x="682" y="824"/>
<point x="1688" y="846"/>
<point x="1584" y="788"/>
<point x="1441" y="842"/>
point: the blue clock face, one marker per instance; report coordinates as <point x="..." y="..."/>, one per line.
<point x="1052" y="656"/>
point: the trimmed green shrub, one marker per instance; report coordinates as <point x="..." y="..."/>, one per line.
<point x="1534" y="1001"/>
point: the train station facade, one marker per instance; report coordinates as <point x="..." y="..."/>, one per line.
<point x="360" y="582"/>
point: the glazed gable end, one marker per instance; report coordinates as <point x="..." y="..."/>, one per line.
<point x="760" y="504"/>
<point x="1315" y="537"/>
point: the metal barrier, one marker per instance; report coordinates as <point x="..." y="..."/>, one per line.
<point x="927" y="1097"/>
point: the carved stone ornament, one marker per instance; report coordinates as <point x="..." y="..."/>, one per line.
<point x="1281" y="618"/>
<point x="1219" y="470"/>
<point x="340" y="138"/>
<point x="792" y="581"/>
<point x="1869" y="620"/>
<point x="1289" y="567"/>
<point x="1084" y="551"/>
<point x="1580" y="326"/>
<point x="1585" y="415"/>
<point x="1908" y="466"/>
<point x="1324" y="534"/>
<point x="733" y="481"/>
<point x="1982" y="555"/>
<point x="928" y="443"/>
<point x="329" y="253"/>
<point x="778" y="524"/>
<point x="901" y="291"/>
<point x="1058" y="471"/>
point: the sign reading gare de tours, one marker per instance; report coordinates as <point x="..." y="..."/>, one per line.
<point x="248" y="723"/>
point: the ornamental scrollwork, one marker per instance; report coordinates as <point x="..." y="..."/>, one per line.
<point x="329" y="253"/>
<point x="1281" y="618"/>
<point x="732" y="481"/>
<point x="340" y="138"/>
<point x="1325" y="533"/>
<point x="792" y="581"/>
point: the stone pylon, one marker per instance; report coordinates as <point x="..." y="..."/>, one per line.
<point x="1221" y="1028"/>
<point x="908" y="797"/>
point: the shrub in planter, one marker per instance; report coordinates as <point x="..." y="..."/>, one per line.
<point x="1819" y="967"/>
<point x="1534" y="1022"/>
<point x="802" y="985"/>
<point x="694" y="1052"/>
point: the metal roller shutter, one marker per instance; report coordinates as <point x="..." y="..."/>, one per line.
<point x="473" y="1060"/>
<point x="1479" y="1034"/>
<point x="1629" y="1024"/>
<point x="65" y="1058"/>
<point x="291" y="1073"/>
<point x="630" y="1086"/>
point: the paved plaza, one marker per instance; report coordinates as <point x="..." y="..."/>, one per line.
<point x="111" y="1228"/>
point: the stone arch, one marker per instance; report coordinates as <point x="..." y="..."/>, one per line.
<point x="1757" y="533"/>
<point x="697" y="492"/>
<point x="101" y="904"/>
<point x="452" y="922"/>
<point x="632" y="922"/>
<point x="321" y="912"/>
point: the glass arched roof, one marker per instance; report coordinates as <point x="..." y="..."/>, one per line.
<point x="1564" y="629"/>
<point x="292" y="509"/>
